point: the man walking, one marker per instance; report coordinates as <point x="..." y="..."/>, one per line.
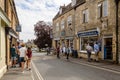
<point x="89" y="50"/>
<point x="96" y="50"/>
<point x="67" y="52"/>
<point x="58" y="51"/>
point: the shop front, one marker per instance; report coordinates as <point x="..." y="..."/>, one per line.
<point x="69" y="41"/>
<point x="56" y="42"/>
<point x="11" y="38"/>
<point x="90" y="37"/>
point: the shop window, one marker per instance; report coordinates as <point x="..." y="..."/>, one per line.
<point x="85" y="40"/>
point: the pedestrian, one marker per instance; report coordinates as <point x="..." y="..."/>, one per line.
<point x="58" y="51"/>
<point x="67" y="52"/>
<point x="47" y="49"/>
<point x="89" y="50"/>
<point x="96" y="50"/>
<point x="64" y="50"/>
<point x="29" y="55"/>
<point x="22" y="53"/>
<point x="18" y="56"/>
<point x="13" y="55"/>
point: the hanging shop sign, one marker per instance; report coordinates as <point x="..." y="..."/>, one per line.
<point x="18" y="28"/>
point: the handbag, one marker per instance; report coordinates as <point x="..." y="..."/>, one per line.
<point x="26" y="58"/>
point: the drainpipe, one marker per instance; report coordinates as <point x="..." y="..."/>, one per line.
<point x="117" y="54"/>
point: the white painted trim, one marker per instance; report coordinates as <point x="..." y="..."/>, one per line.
<point x="83" y="51"/>
<point x="108" y="37"/>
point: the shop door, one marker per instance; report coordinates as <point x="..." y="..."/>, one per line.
<point x="108" y="49"/>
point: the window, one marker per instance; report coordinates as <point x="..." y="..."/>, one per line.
<point x="62" y="24"/>
<point x="85" y="40"/>
<point x="69" y="21"/>
<point x="99" y="10"/>
<point x="57" y="27"/>
<point x="85" y="16"/>
<point x="103" y="9"/>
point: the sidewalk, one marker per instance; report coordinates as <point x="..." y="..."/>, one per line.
<point x="101" y="65"/>
<point x="16" y="74"/>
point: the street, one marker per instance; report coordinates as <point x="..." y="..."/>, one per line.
<point x="50" y="68"/>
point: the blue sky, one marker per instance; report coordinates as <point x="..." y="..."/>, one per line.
<point x="31" y="11"/>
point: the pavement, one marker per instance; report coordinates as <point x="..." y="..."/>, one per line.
<point x="104" y="65"/>
<point x="15" y="73"/>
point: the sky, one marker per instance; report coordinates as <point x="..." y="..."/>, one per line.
<point x="31" y="11"/>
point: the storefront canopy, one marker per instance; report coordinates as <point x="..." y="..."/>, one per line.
<point x="88" y="33"/>
<point x="11" y="32"/>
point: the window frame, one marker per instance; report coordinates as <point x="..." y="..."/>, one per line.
<point x="62" y="24"/>
<point x="57" y="26"/>
<point x="102" y="9"/>
<point x="69" y="20"/>
<point x="85" y="14"/>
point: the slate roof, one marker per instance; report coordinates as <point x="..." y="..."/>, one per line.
<point x="67" y="8"/>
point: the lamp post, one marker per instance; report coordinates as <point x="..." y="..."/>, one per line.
<point x="117" y="54"/>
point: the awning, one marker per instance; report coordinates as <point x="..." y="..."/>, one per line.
<point x="11" y="32"/>
<point x="69" y="37"/>
<point x="88" y="33"/>
<point x="56" y="38"/>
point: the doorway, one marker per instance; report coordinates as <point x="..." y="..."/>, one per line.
<point x="108" y="49"/>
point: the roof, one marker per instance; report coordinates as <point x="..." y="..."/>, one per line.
<point x="67" y="8"/>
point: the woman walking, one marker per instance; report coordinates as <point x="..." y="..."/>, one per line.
<point x="22" y="52"/>
<point x="29" y="55"/>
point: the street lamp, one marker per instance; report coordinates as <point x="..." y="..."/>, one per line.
<point x="117" y="54"/>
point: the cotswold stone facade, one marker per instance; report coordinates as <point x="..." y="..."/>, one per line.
<point x="64" y="25"/>
<point x="8" y="34"/>
<point x="119" y="30"/>
<point x="92" y="21"/>
<point x="104" y="25"/>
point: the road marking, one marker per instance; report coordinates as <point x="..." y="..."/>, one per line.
<point x="97" y="67"/>
<point x="32" y="75"/>
<point x="37" y="72"/>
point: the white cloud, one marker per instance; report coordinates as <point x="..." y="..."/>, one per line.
<point x="31" y="11"/>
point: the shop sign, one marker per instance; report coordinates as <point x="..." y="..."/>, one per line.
<point x="88" y="33"/>
<point x="18" y="28"/>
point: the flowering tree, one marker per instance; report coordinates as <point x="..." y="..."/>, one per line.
<point x="42" y="33"/>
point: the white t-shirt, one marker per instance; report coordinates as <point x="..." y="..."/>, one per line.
<point x="22" y="51"/>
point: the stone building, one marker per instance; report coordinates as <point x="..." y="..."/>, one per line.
<point x="64" y="25"/>
<point x="92" y="21"/>
<point x="8" y="35"/>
